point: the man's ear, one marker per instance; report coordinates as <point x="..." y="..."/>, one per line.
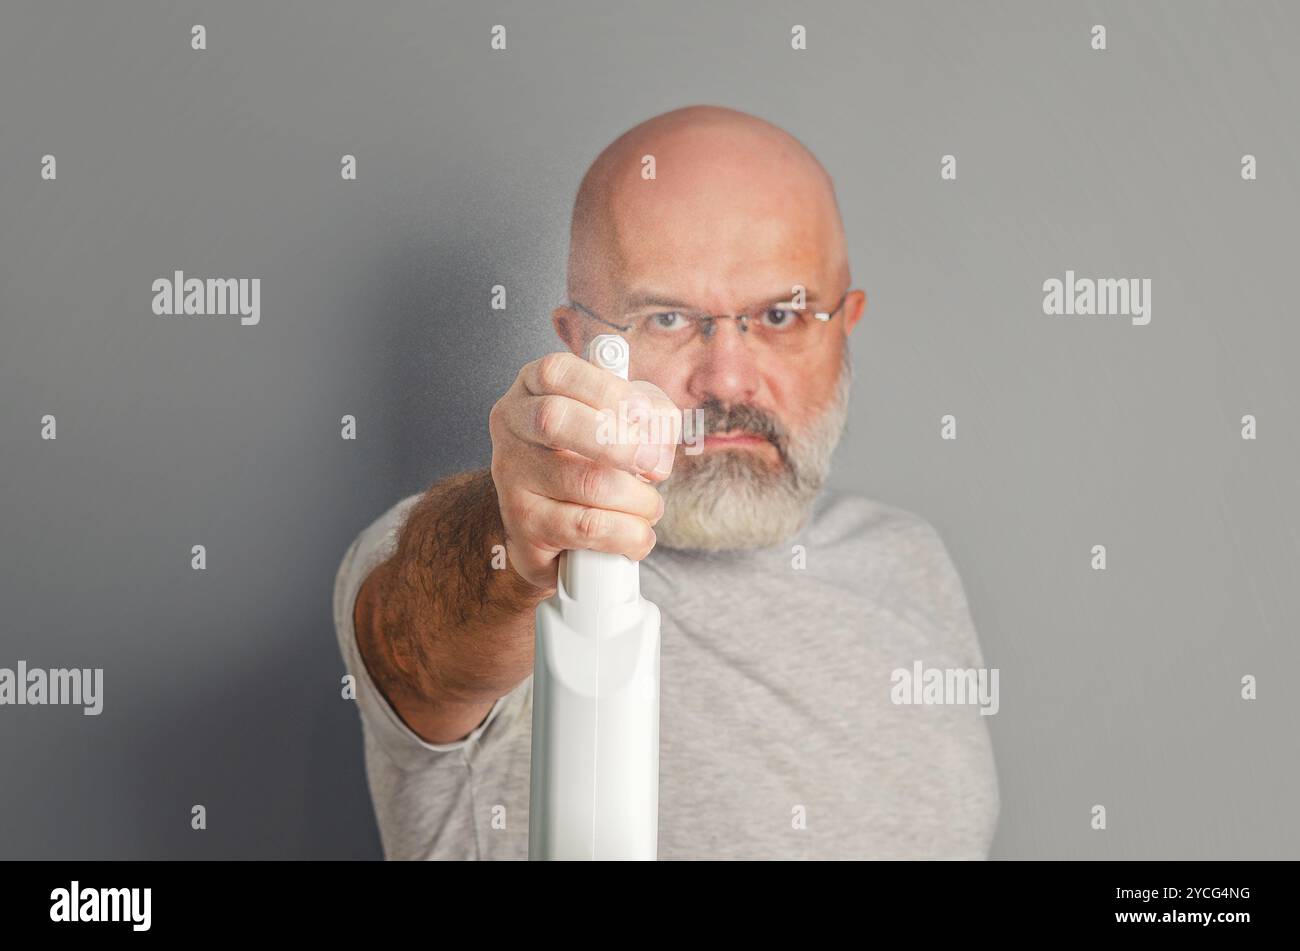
<point x="855" y="305"/>
<point x="568" y="325"/>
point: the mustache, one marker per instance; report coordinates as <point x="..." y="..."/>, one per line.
<point x="717" y="417"/>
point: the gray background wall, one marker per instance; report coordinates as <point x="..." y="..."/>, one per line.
<point x="222" y="687"/>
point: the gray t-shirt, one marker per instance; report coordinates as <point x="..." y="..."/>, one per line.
<point x="780" y="736"/>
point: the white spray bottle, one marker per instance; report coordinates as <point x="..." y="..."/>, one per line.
<point x="595" y="767"/>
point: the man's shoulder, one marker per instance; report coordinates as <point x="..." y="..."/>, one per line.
<point x="851" y="518"/>
<point x="899" y="556"/>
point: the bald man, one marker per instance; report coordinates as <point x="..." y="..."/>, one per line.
<point x="786" y="608"/>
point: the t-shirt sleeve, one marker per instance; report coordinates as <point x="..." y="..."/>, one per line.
<point x="380" y="721"/>
<point x="948" y="595"/>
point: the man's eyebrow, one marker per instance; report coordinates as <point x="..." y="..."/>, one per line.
<point x="644" y="299"/>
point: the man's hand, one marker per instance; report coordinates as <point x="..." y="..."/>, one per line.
<point x="441" y="630"/>
<point x="562" y="482"/>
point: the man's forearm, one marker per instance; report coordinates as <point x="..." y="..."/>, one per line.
<point x="442" y="632"/>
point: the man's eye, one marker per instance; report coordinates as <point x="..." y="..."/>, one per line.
<point x="780" y="318"/>
<point x="669" y="321"/>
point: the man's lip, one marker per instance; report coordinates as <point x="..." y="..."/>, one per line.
<point x="734" y="439"/>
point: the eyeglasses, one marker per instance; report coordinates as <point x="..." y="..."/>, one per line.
<point x="780" y="327"/>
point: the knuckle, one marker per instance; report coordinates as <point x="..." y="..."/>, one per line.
<point x="494" y="417"/>
<point x="645" y="540"/>
<point x="549" y="417"/>
<point x="591" y="524"/>
<point x="593" y="484"/>
<point x="502" y="467"/>
<point x="552" y="371"/>
<point x="498" y="465"/>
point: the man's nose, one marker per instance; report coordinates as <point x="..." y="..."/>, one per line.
<point x="725" y="366"/>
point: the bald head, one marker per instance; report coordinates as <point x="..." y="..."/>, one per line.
<point x="734" y="201"/>
<point x="738" y="218"/>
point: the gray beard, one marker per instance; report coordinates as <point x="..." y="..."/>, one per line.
<point x="728" y="499"/>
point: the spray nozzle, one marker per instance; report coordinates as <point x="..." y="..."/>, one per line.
<point x="610" y="352"/>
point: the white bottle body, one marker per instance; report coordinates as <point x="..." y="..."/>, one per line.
<point x="595" y="763"/>
<point x="595" y="768"/>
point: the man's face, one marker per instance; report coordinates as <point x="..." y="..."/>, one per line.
<point x="727" y="233"/>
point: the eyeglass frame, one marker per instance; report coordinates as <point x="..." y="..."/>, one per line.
<point x="743" y="318"/>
